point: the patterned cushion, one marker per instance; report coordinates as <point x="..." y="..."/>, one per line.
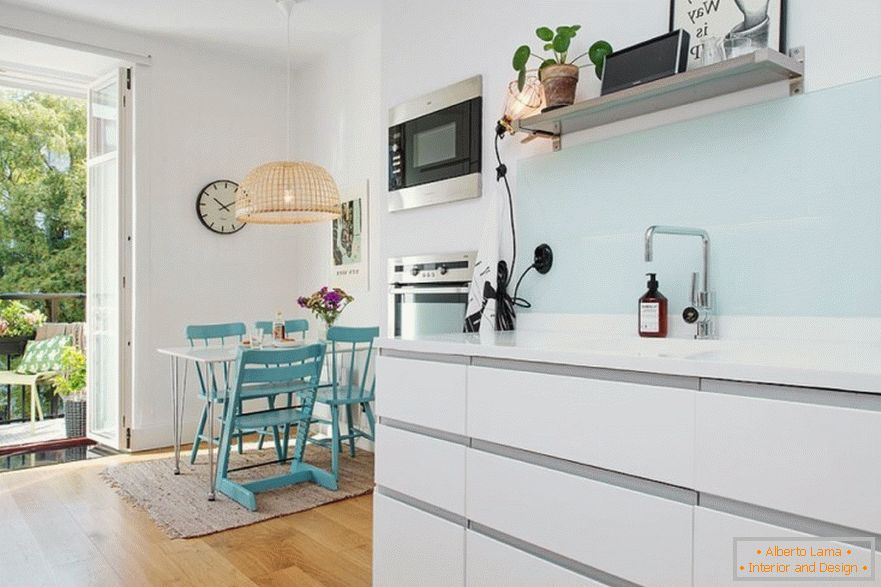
<point x="41" y="356"/>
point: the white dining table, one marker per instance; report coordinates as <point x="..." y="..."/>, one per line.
<point x="207" y="360"/>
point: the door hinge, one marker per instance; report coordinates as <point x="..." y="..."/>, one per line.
<point x="128" y="78"/>
<point x="123" y="282"/>
<point x="128" y="437"/>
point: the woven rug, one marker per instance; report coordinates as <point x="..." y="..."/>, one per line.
<point x="179" y="505"/>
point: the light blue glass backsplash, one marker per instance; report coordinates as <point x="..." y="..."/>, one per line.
<point x="790" y="192"/>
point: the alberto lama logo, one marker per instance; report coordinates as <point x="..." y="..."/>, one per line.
<point x="822" y="559"/>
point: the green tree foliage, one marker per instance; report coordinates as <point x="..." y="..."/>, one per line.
<point x="43" y="195"/>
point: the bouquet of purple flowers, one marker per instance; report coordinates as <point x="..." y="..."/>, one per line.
<point x="326" y="303"/>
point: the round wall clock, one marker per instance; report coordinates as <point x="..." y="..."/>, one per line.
<point x="216" y="207"/>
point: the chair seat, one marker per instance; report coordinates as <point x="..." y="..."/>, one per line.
<point x="260" y="390"/>
<point x="269" y="418"/>
<point x="325" y="396"/>
<point x="13" y="378"/>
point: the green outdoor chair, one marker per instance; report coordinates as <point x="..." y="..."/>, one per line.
<point x="39" y="364"/>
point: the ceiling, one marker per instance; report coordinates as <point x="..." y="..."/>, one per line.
<point x="49" y="68"/>
<point x="252" y="26"/>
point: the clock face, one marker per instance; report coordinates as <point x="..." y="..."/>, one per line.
<point x="216" y="207"/>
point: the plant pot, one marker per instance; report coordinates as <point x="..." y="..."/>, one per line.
<point x="13" y="345"/>
<point x="75" y="418"/>
<point x="559" y="82"/>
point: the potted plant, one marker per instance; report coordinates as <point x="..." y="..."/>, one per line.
<point x="18" y="324"/>
<point x="558" y="73"/>
<point x="327" y="304"/>
<point x="70" y="384"/>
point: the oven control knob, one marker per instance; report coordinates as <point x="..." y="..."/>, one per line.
<point x="443" y="270"/>
<point x="414" y="271"/>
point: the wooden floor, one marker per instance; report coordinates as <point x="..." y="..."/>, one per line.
<point x="63" y="525"/>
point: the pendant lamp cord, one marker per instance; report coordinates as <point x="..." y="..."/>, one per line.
<point x="288" y="10"/>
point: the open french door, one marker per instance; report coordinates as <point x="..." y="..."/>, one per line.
<point x="108" y="221"/>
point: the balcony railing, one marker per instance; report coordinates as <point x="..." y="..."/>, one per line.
<point x="49" y="303"/>
<point x="15" y="407"/>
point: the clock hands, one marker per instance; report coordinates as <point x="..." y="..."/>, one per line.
<point x="226" y="207"/>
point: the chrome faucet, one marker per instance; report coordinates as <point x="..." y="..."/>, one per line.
<point x="701" y="311"/>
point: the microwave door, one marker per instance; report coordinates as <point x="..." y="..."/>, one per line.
<point x="437" y="146"/>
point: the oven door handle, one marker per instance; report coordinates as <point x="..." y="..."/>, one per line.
<point x="429" y="290"/>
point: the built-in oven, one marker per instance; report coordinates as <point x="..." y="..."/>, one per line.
<point x="434" y="147"/>
<point x="429" y="294"/>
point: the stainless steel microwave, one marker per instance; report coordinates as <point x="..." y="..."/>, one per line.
<point x="434" y="147"/>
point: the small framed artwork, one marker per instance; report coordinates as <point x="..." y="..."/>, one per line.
<point x="349" y="240"/>
<point x="733" y="27"/>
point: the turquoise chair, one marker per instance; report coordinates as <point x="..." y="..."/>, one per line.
<point x="212" y="335"/>
<point x="266" y="373"/>
<point x="300" y="326"/>
<point x="356" y="389"/>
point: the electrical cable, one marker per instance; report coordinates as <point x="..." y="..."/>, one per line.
<point x="505" y="304"/>
<point x="502" y="173"/>
<point x="518" y="301"/>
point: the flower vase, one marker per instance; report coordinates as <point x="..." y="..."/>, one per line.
<point x="323" y="327"/>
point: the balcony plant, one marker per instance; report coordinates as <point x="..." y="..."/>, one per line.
<point x="18" y="324"/>
<point x="558" y="73"/>
<point x="326" y="304"/>
<point x="70" y="384"/>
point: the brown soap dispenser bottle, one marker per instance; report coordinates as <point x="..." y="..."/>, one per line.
<point x="653" y="311"/>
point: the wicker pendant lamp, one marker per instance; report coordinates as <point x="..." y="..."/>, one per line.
<point x="287" y="192"/>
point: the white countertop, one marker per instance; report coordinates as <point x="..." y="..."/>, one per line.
<point x="852" y="367"/>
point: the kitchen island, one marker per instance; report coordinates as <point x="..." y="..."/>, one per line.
<point x="542" y="458"/>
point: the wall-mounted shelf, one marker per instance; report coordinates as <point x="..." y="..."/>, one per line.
<point x="760" y="68"/>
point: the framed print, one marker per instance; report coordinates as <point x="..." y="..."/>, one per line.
<point x="748" y="24"/>
<point x="349" y="240"/>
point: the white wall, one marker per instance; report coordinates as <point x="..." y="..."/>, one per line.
<point x="200" y="114"/>
<point x="200" y="117"/>
<point x="427" y="45"/>
<point x="338" y="122"/>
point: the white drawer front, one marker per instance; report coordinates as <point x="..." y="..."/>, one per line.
<point x="421" y="392"/>
<point x="714" y="534"/>
<point x="817" y="461"/>
<point x="411" y="547"/>
<point x="491" y="563"/>
<point x="639" y="537"/>
<point x="637" y="429"/>
<point x="426" y="468"/>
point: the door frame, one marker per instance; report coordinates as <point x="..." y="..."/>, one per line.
<point x="124" y="153"/>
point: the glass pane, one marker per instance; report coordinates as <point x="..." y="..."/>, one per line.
<point x="419" y="314"/>
<point x="103" y="298"/>
<point x="103" y="127"/>
<point x="435" y="145"/>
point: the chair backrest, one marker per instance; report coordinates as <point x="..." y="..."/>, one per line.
<point x="297" y="367"/>
<point x="221" y="334"/>
<point x="214" y="334"/>
<point x="356" y="346"/>
<point x="75" y="330"/>
<point x="290" y="326"/>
